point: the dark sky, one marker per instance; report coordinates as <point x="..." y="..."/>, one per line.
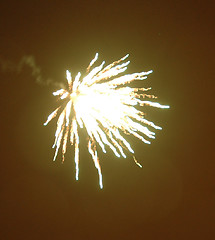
<point x="173" y="195"/>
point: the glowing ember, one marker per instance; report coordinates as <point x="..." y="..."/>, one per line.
<point x="100" y="103"/>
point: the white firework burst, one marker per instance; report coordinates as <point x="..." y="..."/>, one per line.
<point x="104" y="105"/>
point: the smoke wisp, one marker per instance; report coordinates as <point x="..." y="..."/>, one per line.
<point x="29" y="61"/>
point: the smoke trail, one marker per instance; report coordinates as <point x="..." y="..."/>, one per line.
<point x="36" y="71"/>
<point x="8" y="66"/>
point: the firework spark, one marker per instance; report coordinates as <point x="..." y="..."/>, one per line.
<point x="102" y="104"/>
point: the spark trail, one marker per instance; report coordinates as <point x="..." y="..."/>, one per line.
<point x="104" y="105"/>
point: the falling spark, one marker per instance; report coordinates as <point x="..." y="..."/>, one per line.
<point x="102" y="104"/>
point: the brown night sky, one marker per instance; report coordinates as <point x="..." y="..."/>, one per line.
<point x="173" y="195"/>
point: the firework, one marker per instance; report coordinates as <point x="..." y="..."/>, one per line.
<point x="104" y="105"/>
